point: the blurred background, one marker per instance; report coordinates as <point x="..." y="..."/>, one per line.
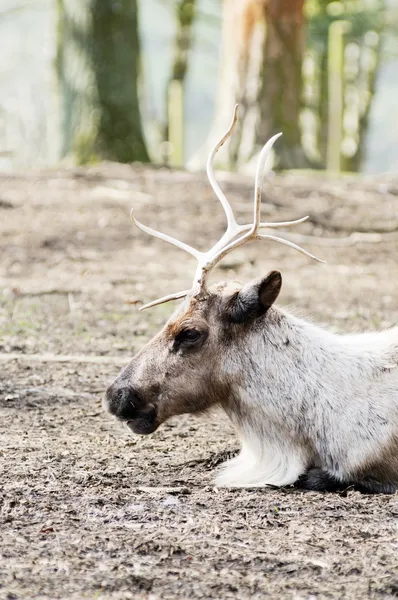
<point x="83" y="81"/>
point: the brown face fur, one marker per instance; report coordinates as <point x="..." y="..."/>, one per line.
<point x="179" y="371"/>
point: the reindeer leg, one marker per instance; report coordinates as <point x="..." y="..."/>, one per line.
<point x="317" y="479"/>
<point x="371" y="486"/>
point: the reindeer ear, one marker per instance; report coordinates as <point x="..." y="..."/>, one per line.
<point x="254" y="299"/>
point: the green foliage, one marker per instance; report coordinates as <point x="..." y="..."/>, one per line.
<point x="322" y="13"/>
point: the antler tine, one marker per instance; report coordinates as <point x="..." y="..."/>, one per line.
<point x="251" y="231"/>
<point x="291" y="244"/>
<point x="283" y="223"/>
<point x="210" y="172"/>
<point x="265" y="225"/>
<point x="259" y="181"/>
<point x="168" y="298"/>
<point x="230" y="240"/>
<point x="166" y="238"/>
<point x="246" y="238"/>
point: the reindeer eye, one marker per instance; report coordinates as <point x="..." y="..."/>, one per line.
<point x="188" y="338"/>
<point x="188" y="335"/>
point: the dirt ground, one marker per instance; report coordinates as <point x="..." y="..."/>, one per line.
<point x="91" y="511"/>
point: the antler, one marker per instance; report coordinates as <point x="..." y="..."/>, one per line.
<point x="230" y="240"/>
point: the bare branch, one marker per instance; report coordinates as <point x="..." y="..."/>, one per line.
<point x="60" y="358"/>
<point x="327" y="224"/>
<point x="350" y="240"/>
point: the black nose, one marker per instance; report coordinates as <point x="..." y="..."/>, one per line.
<point x="123" y="401"/>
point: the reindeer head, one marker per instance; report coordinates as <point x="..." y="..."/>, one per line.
<point x="192" y="363"/>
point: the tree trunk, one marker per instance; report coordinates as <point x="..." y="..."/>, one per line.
<point x="174" y="128"/>
<point x="242" y="40"/>
<point x="185" y="12"/>
<point x="261" y="59"/>
<point x="281" y="89"/>
<point x="365" y="85"/>
<point x="97" y="68"/>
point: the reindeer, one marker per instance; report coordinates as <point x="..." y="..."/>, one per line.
<point x="311" y="408"/>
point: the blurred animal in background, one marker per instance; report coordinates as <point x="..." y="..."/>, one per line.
<point x="311" y="408"/>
